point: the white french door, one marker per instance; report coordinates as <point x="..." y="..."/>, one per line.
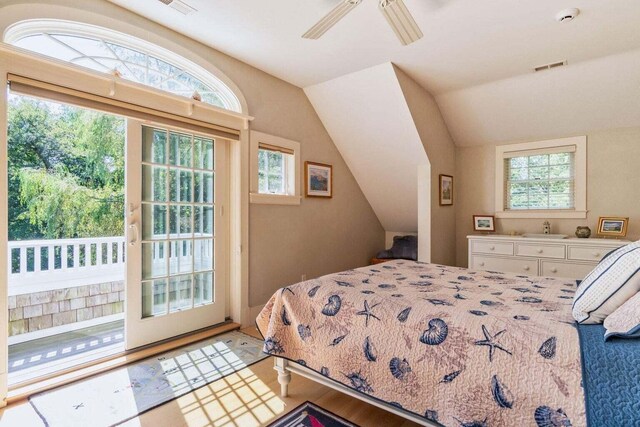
<point x="176" y="190"/>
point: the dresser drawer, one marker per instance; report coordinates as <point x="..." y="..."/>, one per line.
<point x="498" y="248"/>
<point x="540" y="250"/>
<point x="588" y="253"/>
<point x="566" y="270"/>
<point x="512" y="265"/>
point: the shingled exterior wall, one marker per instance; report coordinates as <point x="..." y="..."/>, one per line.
<point x="47" y="309"/>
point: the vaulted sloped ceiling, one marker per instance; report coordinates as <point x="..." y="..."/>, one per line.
<point x="368" y="119"/>
<point x="476" y="57"/>
<point x="600" y="94"/>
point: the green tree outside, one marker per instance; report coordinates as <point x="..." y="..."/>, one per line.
<point x="66" y="171"/>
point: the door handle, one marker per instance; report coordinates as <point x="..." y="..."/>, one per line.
<point x="133" y="230"/>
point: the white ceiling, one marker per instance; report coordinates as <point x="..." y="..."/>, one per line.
<point x="383" y="150"/>
<point x="594" y="95"/>
<point x="466" y="43"/>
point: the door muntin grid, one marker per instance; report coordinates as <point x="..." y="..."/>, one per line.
<point x="178" y="204"/>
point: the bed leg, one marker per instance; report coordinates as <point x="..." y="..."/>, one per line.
<point x="284" y="376"/>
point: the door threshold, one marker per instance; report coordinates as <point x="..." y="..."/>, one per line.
<point x="21" y="391"/>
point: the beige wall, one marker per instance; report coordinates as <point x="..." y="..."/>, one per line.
<point x="317" y="237"/>
<point x="613" y="187"/>
<point x="440" y="149"/>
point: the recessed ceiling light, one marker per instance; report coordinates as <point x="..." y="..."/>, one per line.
<point x="567" y="15"/>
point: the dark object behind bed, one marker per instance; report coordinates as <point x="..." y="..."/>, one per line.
<point x="404" y="247"/>
<point x="611" y="378"/>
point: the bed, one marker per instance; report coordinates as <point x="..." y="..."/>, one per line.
<point x="435" y="344"/>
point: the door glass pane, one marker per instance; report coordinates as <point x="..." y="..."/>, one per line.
<point x="207" y="187"/>
<point x="180" y="185"/>
<point x="203" y="255"/>
<point x="154" y="260"/>
<point x="203" y="221"/>
<point x="203" y="288"/>
<point x="180" y="293"/>
<point x="181" y="256"/>
<point x="154" y="183"/>
<point x="154" y="298"/>
<point x="180" y="221"/>
<point x="204" y="154"/>
<point x="180" y="149"/>
<point x="177" y="222"/>
<point x="154" y="148"/>
<point x="154" y="222"/>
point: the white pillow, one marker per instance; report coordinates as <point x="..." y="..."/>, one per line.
<point x="609" y="285"/>
<point x="625" y="321"/>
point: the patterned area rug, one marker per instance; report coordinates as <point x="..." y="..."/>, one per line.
<point x="124" y="393"/>
<point x="310" y="415"/>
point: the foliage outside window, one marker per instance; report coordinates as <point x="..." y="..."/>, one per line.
<point x="272" y="171"/>
<point x="65" y="170"/>
<point x="275" y="170"/>
<point x="540" y="181"/>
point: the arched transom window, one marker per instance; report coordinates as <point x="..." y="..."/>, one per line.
<point x="105" y="50"/>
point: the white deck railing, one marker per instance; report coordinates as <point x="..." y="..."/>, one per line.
<point x="44" y="265"/>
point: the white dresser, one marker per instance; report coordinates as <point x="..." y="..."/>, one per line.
<point x="567" y="258"/>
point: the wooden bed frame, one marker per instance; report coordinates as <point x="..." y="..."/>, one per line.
<point x="284" y="369"/>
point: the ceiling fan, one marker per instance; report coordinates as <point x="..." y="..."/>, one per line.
<point x="395" y="11"/>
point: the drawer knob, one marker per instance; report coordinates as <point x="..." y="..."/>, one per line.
<point x="596" y="254"/>
<point x="554" y="270"/>
<point x="527" y="268"/>
<point x="540" y="251"/>
<point x="492" y="248"/>
<point x="482" y="264"/>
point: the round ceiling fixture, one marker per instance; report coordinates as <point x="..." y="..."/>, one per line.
<point x="567" y="15"/>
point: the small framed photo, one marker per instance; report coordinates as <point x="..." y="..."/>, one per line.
<point x="318" y="179"/>
<point x="612" y="226"/>
<point x="484" y="223"/>
<point x="446" y="190"/>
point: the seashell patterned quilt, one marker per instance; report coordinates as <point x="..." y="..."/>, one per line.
<point x="455" y="346"/>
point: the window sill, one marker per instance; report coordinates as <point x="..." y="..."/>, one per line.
<point x="273" y="199"/>
<point x="541" y="214"/>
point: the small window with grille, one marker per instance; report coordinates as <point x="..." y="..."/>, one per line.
<point x="273" y="166"/>
<point x="542" y="179"/>
<point x="275" y="170"/>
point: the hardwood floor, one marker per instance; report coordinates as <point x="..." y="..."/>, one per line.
<point x="247" y="398"/>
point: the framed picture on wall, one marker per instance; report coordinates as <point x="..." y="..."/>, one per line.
<point x="612" y="226"/>
<point x="484" y="223"/>
<point x="318" y="179"/>
<point x="446" y="190"/>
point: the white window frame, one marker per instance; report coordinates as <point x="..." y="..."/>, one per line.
<point x="292" y="173"/>
<point x="580" y="189"/>
<point x="23" y="29"/>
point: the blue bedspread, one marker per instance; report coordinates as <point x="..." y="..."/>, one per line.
<point x="611" y="376"/>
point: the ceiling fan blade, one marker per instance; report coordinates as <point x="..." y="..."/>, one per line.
<point x="339" y="12"/>
<point x="401" y="21"/>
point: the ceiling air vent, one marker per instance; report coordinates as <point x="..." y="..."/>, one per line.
<point x="550" y="66"/>
<point x="179" y="5"/>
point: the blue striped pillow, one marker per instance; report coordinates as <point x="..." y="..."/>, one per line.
<point x="609" y="285"/>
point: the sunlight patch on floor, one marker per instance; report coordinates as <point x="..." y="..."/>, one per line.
<point x="240" y="399"/>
